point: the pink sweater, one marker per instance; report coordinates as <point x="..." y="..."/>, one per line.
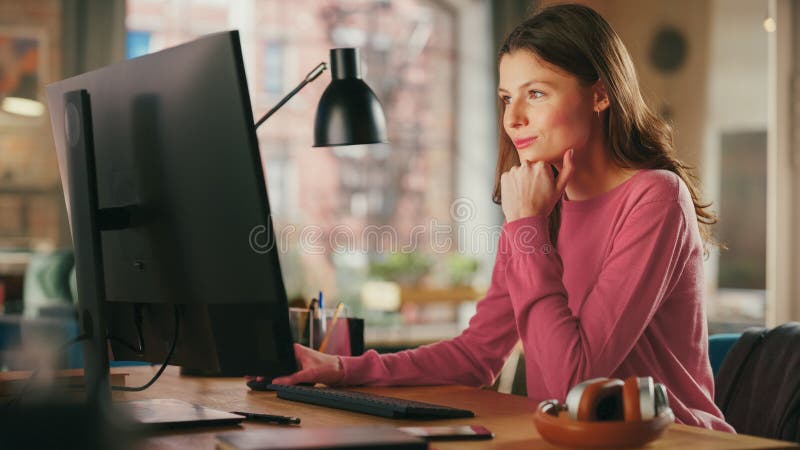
<point x="621" y="295"/>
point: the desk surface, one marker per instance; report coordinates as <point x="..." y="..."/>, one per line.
<point x="508" y="416"/>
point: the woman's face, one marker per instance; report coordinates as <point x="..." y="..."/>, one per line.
<point x="547" y="111"/>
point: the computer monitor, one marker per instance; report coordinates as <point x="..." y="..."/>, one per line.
<point x="182" y="212"/>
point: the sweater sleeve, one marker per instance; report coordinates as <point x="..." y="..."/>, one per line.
<point x="474" y="358"/>
<point x="638" y="273"/>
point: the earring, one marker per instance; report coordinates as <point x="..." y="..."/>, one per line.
<point x="598" y="113"/>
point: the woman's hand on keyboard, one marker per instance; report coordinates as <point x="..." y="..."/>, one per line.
<point x="315" y="367"/>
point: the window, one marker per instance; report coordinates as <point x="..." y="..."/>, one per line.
<point x="740" y="296"/>
<point x="137" y="43"/>
<point x="279" y="173"/>
<point x="273" y="68"/>
<point x="409" y="60"/>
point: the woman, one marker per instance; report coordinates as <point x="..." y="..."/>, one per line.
<point x="599" y="269"/>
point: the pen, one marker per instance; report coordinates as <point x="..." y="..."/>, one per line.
<point x="268" y="418"/>
<point x="323" y="321"/>
<point x="312" y="311"/>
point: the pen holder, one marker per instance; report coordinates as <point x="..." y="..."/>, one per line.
<point x="345" y="337"/>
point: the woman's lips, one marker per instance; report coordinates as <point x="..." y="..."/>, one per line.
<point x="522" y="143"/>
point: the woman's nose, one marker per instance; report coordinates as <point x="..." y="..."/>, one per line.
<point x="517" y="116"/>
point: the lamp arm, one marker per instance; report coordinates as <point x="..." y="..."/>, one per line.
<point x="308" y="79"/>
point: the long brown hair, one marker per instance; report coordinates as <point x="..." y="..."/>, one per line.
<point x="578" y="40"/>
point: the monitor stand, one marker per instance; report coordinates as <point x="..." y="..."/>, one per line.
<point x="85" y="220"/>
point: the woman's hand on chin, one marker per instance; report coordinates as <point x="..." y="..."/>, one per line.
<point x="531" y="189"/>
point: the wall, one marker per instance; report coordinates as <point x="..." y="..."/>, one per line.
<point x="682" y="92"/>
<point x="783" y="214"/>
<point x="31" y="206"/>
<point x="737" y="95"/>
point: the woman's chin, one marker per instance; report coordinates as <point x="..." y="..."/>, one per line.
<point x="538" y="156"/>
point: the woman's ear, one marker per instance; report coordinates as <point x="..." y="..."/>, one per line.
<point x="600" y="96"/>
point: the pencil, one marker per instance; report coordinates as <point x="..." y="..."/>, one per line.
<point x="324" y="343"/>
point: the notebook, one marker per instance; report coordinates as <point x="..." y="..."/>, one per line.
<point x="296" y="438"/>
<point x="66" y="380"/>
<point x="173" y="413"/>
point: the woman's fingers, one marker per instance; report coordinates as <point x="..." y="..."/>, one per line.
<point x="532" y="188"/>
<point x="309" y="369"/>
<point x="301" y="354"/>
<point x="290" y="379"/>
<point x="313" y="367"/>
<point x="304" y="376"/>
<point x="301" y="350"/>
<point x="567" y="168"/>
<point x="285" y="380"/>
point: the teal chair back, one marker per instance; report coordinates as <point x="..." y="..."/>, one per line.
<point x="46" y="281"/>
<point x="718" y="347"/>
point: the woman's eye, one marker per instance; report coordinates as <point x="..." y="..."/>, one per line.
<point x="506" y="99"/>
<point x="535" y="94"/>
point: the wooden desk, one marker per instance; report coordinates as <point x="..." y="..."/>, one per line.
<point x="508" y="416"/>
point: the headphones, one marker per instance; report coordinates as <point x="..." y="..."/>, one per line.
<point x="606" y="412"/>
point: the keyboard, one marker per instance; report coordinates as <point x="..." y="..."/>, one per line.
<point x="376" y="405"/>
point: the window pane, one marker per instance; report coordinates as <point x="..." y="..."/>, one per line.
<point x="273" y="68"/>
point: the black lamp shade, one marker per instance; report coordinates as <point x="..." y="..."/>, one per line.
<point x="348" y="113"/>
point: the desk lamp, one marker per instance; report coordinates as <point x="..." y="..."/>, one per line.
<point x="348" y="113"/>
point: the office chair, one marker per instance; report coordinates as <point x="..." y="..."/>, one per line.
<point x="758" y="384"/>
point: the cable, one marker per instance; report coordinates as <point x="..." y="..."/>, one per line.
<point x="74" y="340"/>
<point x="84" y="337"/>
<point x="137" y="317"/>
<point x="138" y="351"/>
<point x="163" y="366"/>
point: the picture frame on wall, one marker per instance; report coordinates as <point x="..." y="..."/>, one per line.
<point x="23" y="73"/>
